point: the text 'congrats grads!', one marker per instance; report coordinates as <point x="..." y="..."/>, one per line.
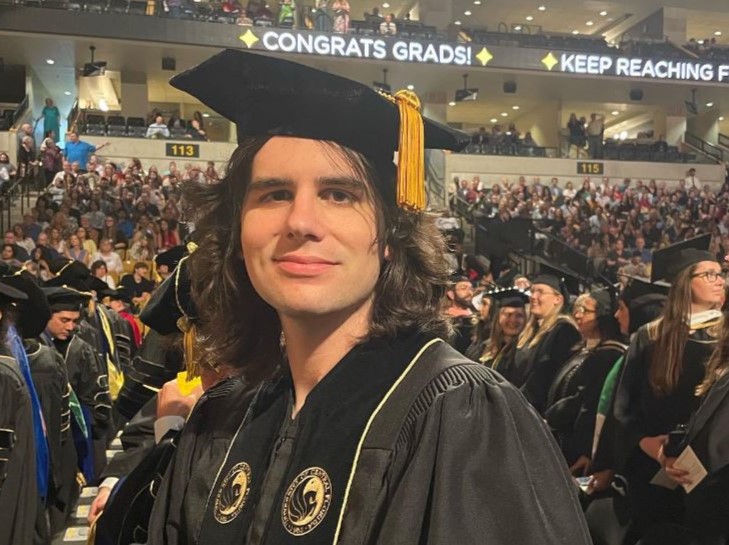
<point x="366" y="427"/>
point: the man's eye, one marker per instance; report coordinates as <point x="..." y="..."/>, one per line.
<point x="339" y="196"/>
<point x="276" y="196"/>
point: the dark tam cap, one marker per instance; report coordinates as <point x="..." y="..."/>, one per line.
<point x="269" y="96"/>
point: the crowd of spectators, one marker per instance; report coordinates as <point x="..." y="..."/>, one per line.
<point x="113" y="218"/>
<point x="503" y="142"/>
<point x="616" y="224"/>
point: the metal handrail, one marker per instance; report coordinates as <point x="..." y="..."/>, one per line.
<point x="710" y="150"/>
<point x="20" y="110"/>
<point x="724" y="140"/>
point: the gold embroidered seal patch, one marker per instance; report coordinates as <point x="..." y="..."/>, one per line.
<point x="233" y="493"/>
<point x="306" y="501"/>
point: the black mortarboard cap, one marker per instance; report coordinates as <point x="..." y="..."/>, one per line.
<point x="170" y="303"/>
<point x="66" y="298"/>
<point x="9" y="294"/>
<point x="270" y="96"/>
<point x="639" y="287"/>
<point x="34" y="312"/>
<point x="115" y="294"/>
<point x="510" y="297"/>
<point x="171" y="257"/>
<point x="669" y="262"/>
<point x="68" y="272"/>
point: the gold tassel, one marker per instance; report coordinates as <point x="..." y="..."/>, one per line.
<point x="189" y="336"/>
<point x="411" y="153"/>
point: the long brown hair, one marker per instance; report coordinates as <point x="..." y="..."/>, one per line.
<point x="670" y="333"/>
<point x="238" y="328"/>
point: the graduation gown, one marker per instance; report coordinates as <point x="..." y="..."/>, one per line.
<point x="707" y="505"/>
<point x="534" y="368"/>
<point x="641" y="413"/>
<point x="574" y="399"/>
<point x="19" y="500"/>
<point x="404" y="441"/>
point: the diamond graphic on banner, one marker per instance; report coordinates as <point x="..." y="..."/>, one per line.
<point x="550" y="61"/>
<point x="248" y="38"/>
<point x="484" y="56"/>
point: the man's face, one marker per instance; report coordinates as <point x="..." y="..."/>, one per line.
<point x="72" y="137"/>
<point x="9" y="237"/>
<point x="141" y="272"/>
<point x="308" y="231"/>
<point x="462" y="293"/>
<point x="640" y="243"/>
<point x="42" y="239"/>
<point x="163" y="271"/>
<point x="62" y="324"/>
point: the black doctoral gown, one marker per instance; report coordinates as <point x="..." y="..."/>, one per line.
<point x="572" y="409"/>
<point x="19" y="501"/>
<point x="403" y="442"/>
<point x="51" y="384"/>
<point x="88" y="379"/>
<point x="640" y="412"/>
<point x="534" y="368"/>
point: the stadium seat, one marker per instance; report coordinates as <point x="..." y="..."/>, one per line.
<point x="116" y="126"/>
<point x="95" y="125"/>
<point x="136" y="127"/>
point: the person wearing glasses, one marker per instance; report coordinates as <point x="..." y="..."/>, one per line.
<point x="664" y="365"/>
<point x="549" y="339"/>
<point x="575" y="394"/>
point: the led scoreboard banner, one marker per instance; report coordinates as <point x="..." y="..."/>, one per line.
<point x="476" y="55"/>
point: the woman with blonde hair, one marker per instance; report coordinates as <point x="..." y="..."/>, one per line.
<point x="76" y="251"/>
<point x="547" y="342"/>
<point x="664" y="365"/>
<point x="509" y="322"/>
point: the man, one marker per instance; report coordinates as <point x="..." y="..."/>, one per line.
<point x="121" y="303"/>
<point x="86" y="374"/>
<point x="20" y="253"/>
<point x="78" y="150"/>
<point x="646" y="254"/>
<point x="595" y="128"/>
<point x="138" y="285"/>
<point x="31" y="228"/>
<point x="461" y="310"/>
<point x="333" y="449"/>
<point x="49" y="252"/>
<point x="692" y="181"/>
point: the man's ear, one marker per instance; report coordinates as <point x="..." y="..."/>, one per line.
<point x="451" y="295"/>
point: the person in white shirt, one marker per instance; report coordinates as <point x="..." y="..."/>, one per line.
<point x="158" y="128"/>
<point x="107" y="254"/>
<point x="388" y="27"/>
<point x="692" y="181"/>
<point x="594" y="135"/>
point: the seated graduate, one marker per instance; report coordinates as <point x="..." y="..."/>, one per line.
<point x="575" y="394"/>
<point x="548" y="341"/>
<point x="508" y="323"/>
<point x="664" y="365"/>
<point x="366" y="426"/>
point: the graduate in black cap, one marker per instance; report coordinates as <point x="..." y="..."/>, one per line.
<point x="319" y="277"/>
<point x="19" y="483"/>
<point x="51" y="384"/>
<point x="86" y="374"/>
<point x="575" y="392"/>
<point x="664" y="365"/>
<point x="509" y="321"/>
<point x="549" y="339"/>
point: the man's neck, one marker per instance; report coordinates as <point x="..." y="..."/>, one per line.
<point x="314" y="346"/>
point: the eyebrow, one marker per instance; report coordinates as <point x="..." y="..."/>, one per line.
<point x="345" y="182"/>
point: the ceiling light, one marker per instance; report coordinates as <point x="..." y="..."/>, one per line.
<point x="385" y="5"/>
<point x="67" y="93"/>
<point x="701" y="42"/>
<point x="623" y="135"/>
<point x="717" y="33"/>
<point x="494" y="120"/>
<point x="542" y="8"/>
<point x="103" y="105"/>
<point x="515" y="107"/>
<point x="206" y="114"/>
<point x="721" y="118"/>
<point x="457" y="23"/>
<point x="517" y="28"/>
<point x="603" y="13"/>
<point x="411" y="87"/>
<point x="615" y="112"/>
<point x="589" y="23"/>
<point x="709" y="104"/>
<point x="504" y="114"/>
<point x="476" y="2"/>
<point x="50" y="61"/>
<point x="529" y="18"/>
<point x="575" y="32"/>
<point x="467" y="13"/>
<point x="451" y="103"/>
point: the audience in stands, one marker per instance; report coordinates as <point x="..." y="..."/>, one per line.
<point x="341" y="16"/>
<point x="388" y="26"/>
<point x="158" y="129"/>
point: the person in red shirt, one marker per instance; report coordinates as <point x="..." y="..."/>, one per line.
<point x="120" y="302"/>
